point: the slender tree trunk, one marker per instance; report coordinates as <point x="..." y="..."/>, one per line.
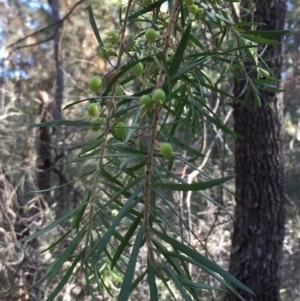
<point x="257" y="239"/>
<point x="44" y="176"/>
<point x="59" y="86"/>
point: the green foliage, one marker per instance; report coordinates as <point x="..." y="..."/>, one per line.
<point x="122" y="212"/>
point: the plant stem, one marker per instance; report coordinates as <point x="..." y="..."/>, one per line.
<point x="148" y="176"/>
<point x="110" y="106"/>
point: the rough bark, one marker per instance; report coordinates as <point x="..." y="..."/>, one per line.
<point x="258" y="234"/>
<point x="44" y="151"/>
<point x="59" y="86"/>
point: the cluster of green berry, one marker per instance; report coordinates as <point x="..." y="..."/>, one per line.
<point x="120" y="129"/>
<point x="147" y="102"/>
<point x="192" y="7"/>
<point x="108" y="48"/>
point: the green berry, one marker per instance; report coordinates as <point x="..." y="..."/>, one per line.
<point x="137" y="69"/>
<point x="118" y="92"/>
<point x="108" y="49"/>
<point x="95" y="127"/>
<point x="189" y="2"/>
<point x="189" y="42"/>
<point x="95" y="83"/>
<point x="158" y="130"/>
<point x="193" y="9"/>
<point x="151" y="35"/>
<point x="93" y="110"/>
<point x="113" y="36"/>
<point x="171" y="56"/>
<point x="146" y="102"/>
<point x="159" y="96"/>
<point x="166" y="150"/>
<point x="147" y="2"/>
<point x="120" y="130"/>
<point x="166" y="20"/>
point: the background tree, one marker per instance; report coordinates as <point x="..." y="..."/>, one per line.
<point x="258" y="235"/>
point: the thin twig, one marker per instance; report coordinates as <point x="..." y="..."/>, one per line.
<point x="148" y="177"/>
<point x="59" y="23"/>
<point x="110" y="106"/>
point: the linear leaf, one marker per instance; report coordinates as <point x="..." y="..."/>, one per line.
<point x="65" y="278"/>
<point x="177" y="60"/>
<point x="201" y="259"/>
<point x="151" y="280"/>
<point x="194" y="186"/>
<point x="125" y="241"/>
<point x="71" y="247"/>
<point x="126" y="286"/>
<point x="49" y="227"/>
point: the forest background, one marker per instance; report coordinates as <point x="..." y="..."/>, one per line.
<point x="29" y="69"/>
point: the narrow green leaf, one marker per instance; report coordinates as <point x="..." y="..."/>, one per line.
<point x="65" y="278"/>
<point x="125" y="162"/>
<point x="126" y="286"/>
<point x="101" y="245"/>
<point x="110" y="177"/>
<point x="138" y="280"/>
<point x="94" y="25"/>
<point x="60" y="122"/>
<point x="260" y="40"/>
<point x="151" y="280"/>
<point x="177" y="60"/>
<point x="78" y="179"/>
<point x="80" y="211"/>
<point x="166" y="253"/>
<point x="178" y="284"/>
<point x="200" y="286"/>
<point x="184" y="146"/>
<point x="49" y="227"/>
<point x="65" y="255"/>
<point x="61" y="238"/>
<point x="267" y="33"/>
<point x="194" y="186"/>
<point x="91" y="145"/>
<point x="156" y="4"/>
<point x="125" y="240"/>
<point x="201" y="259"/>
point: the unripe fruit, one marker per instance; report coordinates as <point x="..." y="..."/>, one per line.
<point x="109" y="50"/>
<point x="147" y="2"/>
<point x="159" y="96"/>
<point x="166" y="150"/>
<point x="151" y="35"/>
<point x="189" y="42"/>
<point x="93" y="110"/>
<point x="171" y="56"/>
<point x="113" y="36"/>
<point x="146" y="102"/>
<point x="137" y="69"/>
<point x="193" y="9"/>
<point x="118" y="92"/>
<point x="95" y="127"/>
<point x="189" y="2"/>
<point x="95" y="83"/>
<point x="166" y="20"/>
<point x="158" y="128"/>
<point x="120" y="130"/>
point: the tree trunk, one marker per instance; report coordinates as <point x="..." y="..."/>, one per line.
<point x="59" y="85"/>
<point x="44" y="151"/>
<point x="258" y="234"/>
